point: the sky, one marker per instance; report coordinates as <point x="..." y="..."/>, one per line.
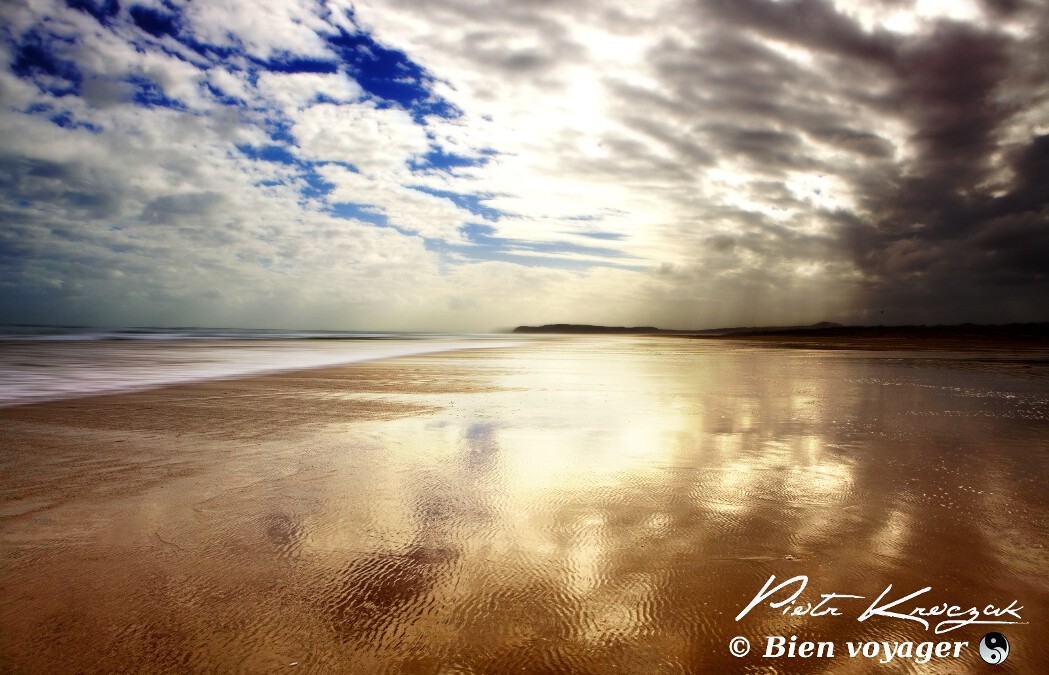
<point x="472" y="165"/>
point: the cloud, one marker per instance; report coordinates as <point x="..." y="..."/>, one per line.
<point x="370" y="138"/>
<point x="457" y="164"/>
<point x="878" y="156"/>
<point x="401" y="206"/>
<point x="297" y="91"/>
<point x="261" y="28"/>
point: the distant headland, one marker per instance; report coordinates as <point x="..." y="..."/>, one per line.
<point x="573" y="328"/>
<point x="583" y="328"/>
<point x="828" y="335"/>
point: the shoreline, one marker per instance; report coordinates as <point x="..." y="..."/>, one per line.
<point x="41" y="371"/>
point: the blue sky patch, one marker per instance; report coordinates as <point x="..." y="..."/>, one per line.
<point x="484" y="246"/>
<point x="437" y="158"/>
<point x="269" y="153"/>
<point x="470" y="202"/>
<point x="104" y="11"/>
<point x="222" y="97"/>
<point x="364" y="212"/>
<point x="316" y="187"/>
<point x="156" y="23"/>
<point x="149" y="94"/>
<point x="474" y="231"/>
<point x="289" y="63"/>
<point x="65" y="120"/>
<point x="389" y="74"/>
<point x="279" y="130"/>
<point x="214" y="53"/>
<point x="36" y="59"/>
<point x="551" y="247"/>
<point x="483" y="253"/>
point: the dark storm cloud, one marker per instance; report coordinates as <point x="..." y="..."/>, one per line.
<point x="960" y="211"/>
<point x="948" y="226"/>
<point x="741" y="100"/>
<point x="811" y="24"/>
<point x="854" y="140"/>
<point x="1004" y="7"/>
<point x="946" y="87"/>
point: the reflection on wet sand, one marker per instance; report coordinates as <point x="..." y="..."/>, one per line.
<point x="585" y="505"/>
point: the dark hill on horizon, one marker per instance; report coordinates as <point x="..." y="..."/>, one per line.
<point x="827" y="331"/>
<point x="578" y="328"/>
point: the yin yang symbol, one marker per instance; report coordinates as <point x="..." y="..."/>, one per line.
<point x="994" y="648"/>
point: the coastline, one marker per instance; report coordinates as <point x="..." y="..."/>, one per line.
<point x="42" y="367"/>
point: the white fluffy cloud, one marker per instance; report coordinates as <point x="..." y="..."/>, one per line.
<point x="295" y="91"/>
<point x="373" y="139"/>
<point x="263" y="28"/>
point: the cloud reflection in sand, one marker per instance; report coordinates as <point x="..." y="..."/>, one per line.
<point x="586" y="505"/>
<point x="629" y="496"/>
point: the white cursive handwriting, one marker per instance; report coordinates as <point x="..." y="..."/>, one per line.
<point x="787" y="593"/>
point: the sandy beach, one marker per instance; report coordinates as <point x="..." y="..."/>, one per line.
<point x="577" y="505"/>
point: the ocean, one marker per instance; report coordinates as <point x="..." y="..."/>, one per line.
<point x="51" y="363"/>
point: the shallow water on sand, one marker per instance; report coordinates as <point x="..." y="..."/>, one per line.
<point x="47" y="367"/>
<point x="588" y="505"/>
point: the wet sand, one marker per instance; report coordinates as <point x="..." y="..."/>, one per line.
<point x="581" y="505"/>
